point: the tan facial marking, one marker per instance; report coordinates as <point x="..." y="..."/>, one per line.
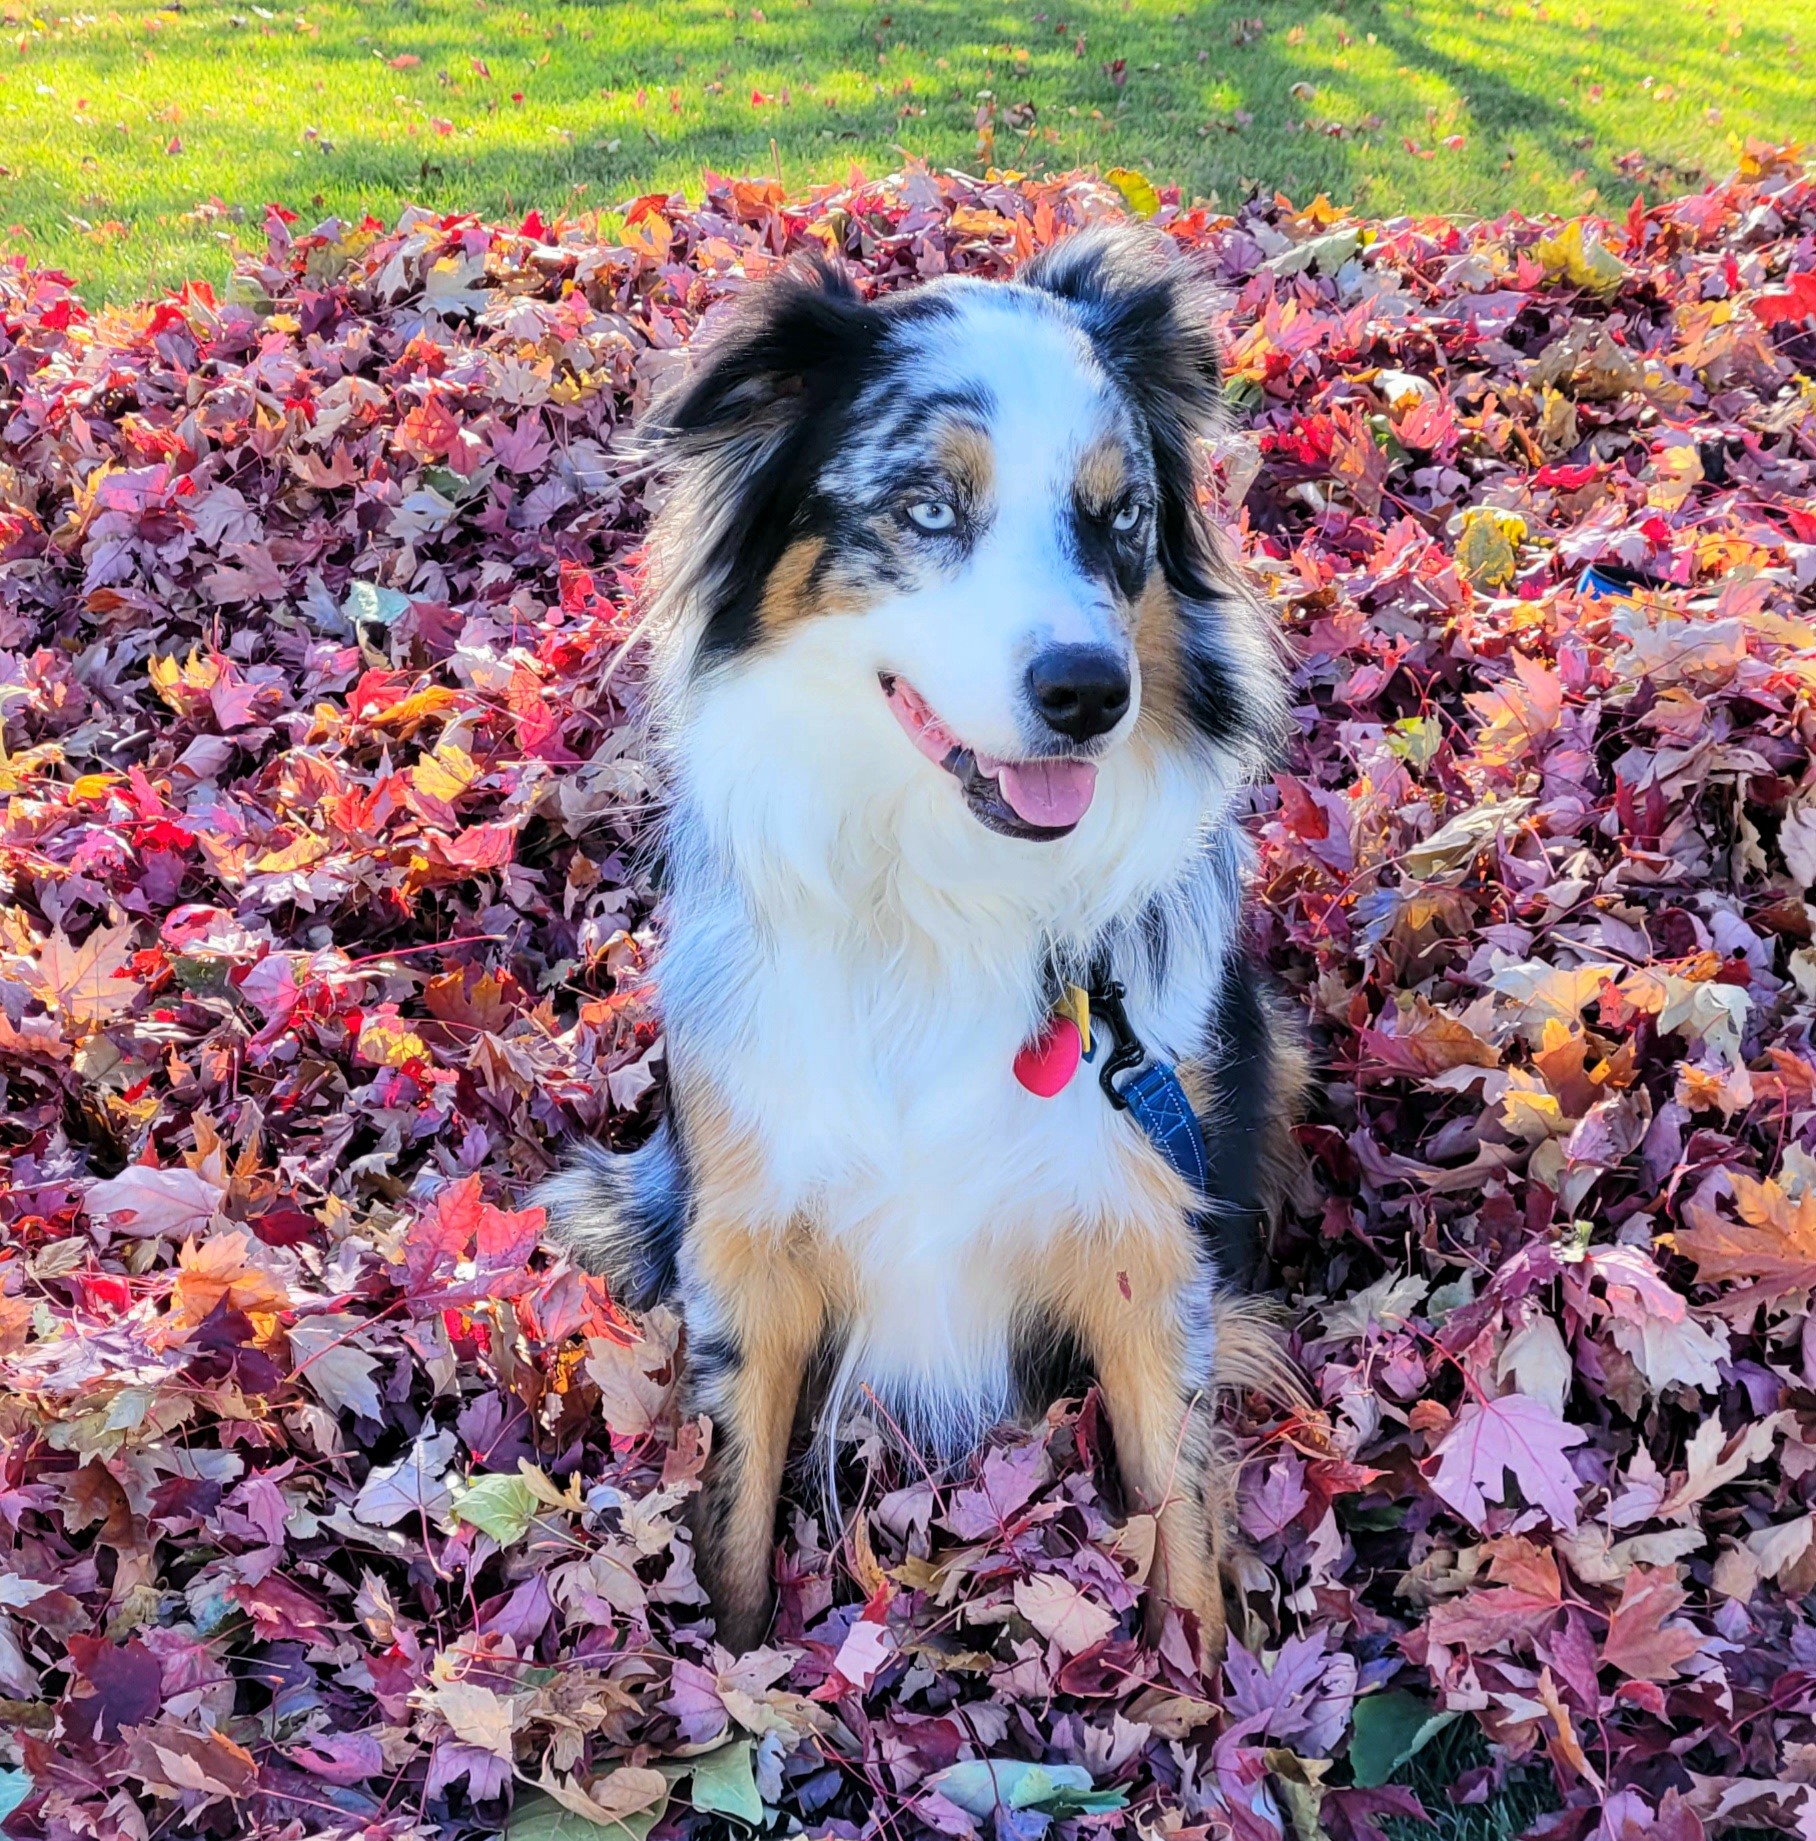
<point x="791" y="596"/>
<point x="1159" y="642"/>
<point x="964" y="455"/>
<point x="1102" y="476"/>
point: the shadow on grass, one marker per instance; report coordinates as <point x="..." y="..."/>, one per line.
<point x="1177" y="111"/>
<point x="418" y="101"/>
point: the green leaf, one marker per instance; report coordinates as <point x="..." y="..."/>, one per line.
<point x="979" y="1785"/>
<point x="502" y="1507"/>
<point x="1326" y="254"/>
<point x="1137" y="190"/>
<point x="457" y="486"/>
<point x="1488" y="550"/>
<point x="369" y="605"/>
<point x="1243" y="395"/>
<point x="1415" y="739"/>
<point x="1373" y="1520"/>
<point x="541" y="1818"/>
<point x="1389" y="1729"/>
<point x="1447" y="1298"/>
<point x="725" y="1784"/>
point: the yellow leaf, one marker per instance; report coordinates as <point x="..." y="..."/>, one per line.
<point x="445" y="774"/>
<point x="180" y="684"/>
<point x="388" y="1042"/>
<point x="1558" y="428"/>
<point x="1674" y="471"/>
<point x="92" y="785"/>
<point x="16" y="769"/>
<point x="1577" y="256"/>
<point x="1137" y="190"/>
<point x="1320" y="214"/>
<point x="1529" y="1109"/>
<point x="1488" y="550"/>
<point x="166" y="675"/>
<point x="415" y="708"/>
<point x="650" y="236"/>
<point x="299" y="853"/>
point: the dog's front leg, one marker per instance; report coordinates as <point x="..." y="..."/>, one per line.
<point x="756" y="1307"/>
<point x="1141" y="1308"/>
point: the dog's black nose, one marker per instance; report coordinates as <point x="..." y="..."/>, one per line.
<point x="1081" y="691"/>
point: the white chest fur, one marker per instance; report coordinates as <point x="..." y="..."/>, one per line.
<point x="889" y="1117"/>
<point x="852" y="964"/>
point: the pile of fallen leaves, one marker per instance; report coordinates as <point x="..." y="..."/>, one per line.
<point x="332" y="1506"/>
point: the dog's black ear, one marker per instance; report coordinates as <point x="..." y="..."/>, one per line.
<point x="749" y="429"/>
<point x="1148" y="316"/>
<point x="792" y="341"/>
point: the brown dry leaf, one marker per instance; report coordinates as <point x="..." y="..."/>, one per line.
<point x="636" y="1381"/>
<point x="1640" y="1642"/>
<point x="1774" y="1252"/>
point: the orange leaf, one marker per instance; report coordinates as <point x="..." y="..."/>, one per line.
<point x="214" y="1272"/>
<point x="1640" y="1643"/>
<point x="1775" y="1249"/>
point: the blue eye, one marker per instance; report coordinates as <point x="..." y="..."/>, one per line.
<point x="1127" y="516"/>
<point x="933" y="514"/>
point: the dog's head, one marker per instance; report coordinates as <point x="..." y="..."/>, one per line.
<point x="967" y="516"/>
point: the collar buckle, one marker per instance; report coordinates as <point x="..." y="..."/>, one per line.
<point x="1127" y="1050"/>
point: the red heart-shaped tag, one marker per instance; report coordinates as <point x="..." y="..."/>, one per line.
<point x="1044" y="1065"/>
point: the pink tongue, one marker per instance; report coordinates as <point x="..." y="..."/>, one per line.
<point x="1049" y="793"/>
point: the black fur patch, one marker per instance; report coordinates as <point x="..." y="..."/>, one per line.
<point x="1047" y="1363"/>
<point x="1154" y="935"/>
<point x="973" y="404"/>
<point x="1212" y="701"/>
<point x="660" y="1207"/>
<point x="1240" y="1123"/>
<point x="624" y="1215"/>
<point x="1116" y="557"/>
<point x="711" y="1359"/>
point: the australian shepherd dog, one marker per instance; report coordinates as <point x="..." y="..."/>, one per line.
<point x="955" y="694"/>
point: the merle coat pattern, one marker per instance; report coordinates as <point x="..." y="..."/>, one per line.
<point x="955" y="693"/>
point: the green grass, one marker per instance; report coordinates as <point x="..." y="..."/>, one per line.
<point x="1527" y="1794"/>
<point x="137" y="142"/>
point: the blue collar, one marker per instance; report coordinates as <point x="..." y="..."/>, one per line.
<point x="1153" y="1094"/>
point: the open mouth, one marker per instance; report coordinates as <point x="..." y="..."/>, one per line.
<point x="1038" y="799"/>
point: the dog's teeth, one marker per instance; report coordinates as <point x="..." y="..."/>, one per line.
<point x="988" y="765"/>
